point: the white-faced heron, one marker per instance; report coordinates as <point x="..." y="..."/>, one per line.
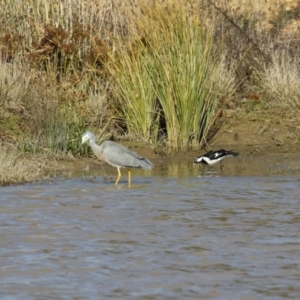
<point x="116" y="155"/>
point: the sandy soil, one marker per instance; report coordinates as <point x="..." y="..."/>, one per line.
<point x="264" y="137"/>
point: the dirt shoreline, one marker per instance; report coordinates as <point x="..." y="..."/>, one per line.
<point x="261" y="137"/>
<point x="257" y="142"/>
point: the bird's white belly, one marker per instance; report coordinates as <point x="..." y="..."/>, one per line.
<point x="212" y="162"/>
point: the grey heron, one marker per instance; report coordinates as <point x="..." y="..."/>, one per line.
<point x="116" y="155"/>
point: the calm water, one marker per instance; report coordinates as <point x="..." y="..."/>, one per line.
<point x="173" y="235"/>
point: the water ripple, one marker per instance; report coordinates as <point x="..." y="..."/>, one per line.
<point x="166" y="238"/>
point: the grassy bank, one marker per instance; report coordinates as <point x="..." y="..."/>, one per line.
<point x="158" y="72"/>
<point x="15" y="168"/>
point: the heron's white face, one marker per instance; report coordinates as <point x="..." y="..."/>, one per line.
<point x="85" y="137"/>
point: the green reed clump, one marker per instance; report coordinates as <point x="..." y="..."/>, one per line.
<point x="171" y="77"/>
<point x="134" y="91"/>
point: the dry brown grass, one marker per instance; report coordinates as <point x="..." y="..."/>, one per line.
<point x="15" y="168"/>
<point x="261" y="35"/>
<point x="279" y="82"/>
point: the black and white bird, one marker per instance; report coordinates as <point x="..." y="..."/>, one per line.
<point x="212" y="157"/>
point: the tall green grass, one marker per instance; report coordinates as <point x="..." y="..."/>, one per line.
<point x="134" y="91"/>
<point x="171" y="60"/>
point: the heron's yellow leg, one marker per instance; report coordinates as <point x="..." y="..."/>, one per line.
<point x="119" y="176"/>
<point x="129" y="177"/>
